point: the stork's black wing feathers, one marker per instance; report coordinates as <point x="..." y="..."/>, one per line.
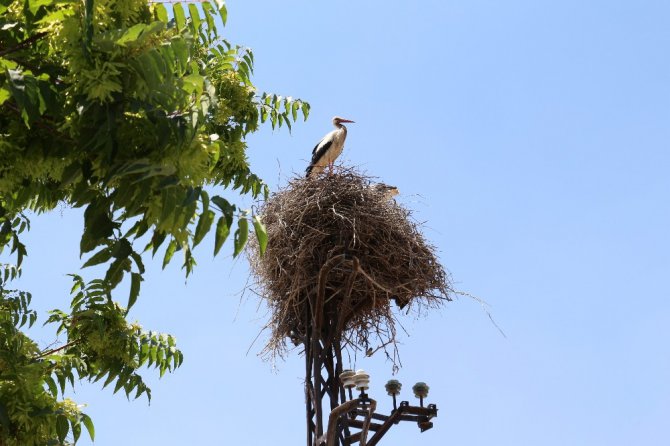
<point x="317" y="153"/>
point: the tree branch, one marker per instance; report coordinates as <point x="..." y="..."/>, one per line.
<point x="40" y="124"/>
<point x="30" y="40"/>
<point x="56" y="350"/>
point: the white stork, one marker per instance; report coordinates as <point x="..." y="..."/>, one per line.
<point x="329" y="148"/>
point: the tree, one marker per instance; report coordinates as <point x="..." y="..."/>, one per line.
<point x="114" y="107"/>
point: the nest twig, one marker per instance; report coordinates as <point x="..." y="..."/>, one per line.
<point x="342" y="238"/>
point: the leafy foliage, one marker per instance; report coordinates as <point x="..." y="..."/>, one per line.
<point x="100" y="344"/>
<point x="134" y="114"/>
<point x="30" y="412"/>
<point x="108" y="346"/>
<point x="145" y="112"/>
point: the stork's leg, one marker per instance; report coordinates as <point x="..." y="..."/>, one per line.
<point x="331" y="164"/>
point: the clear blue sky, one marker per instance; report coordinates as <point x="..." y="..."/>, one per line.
<point x="533" y="139"/>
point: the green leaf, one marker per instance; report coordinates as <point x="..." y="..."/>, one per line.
<point x="112" y="375"/>
<point x="189" y="261"/>
<point x="4" y="94"/>
<point x="261" y="234"/>
<point x="62" y="427"/>
<point x="161" y="12"/>
<point x="97" y="225"/>
<point x="120" y="382"/>
<point x="193" y="83"/>
<point x="294" y="110"/>
<point x="61" y="382"/>
<point x="141" y="165"/>
<point x="157" y="240"/>
<point x="34" y="5"/>
<point x="89" y="425"/>
<point x="138" y="261"/>
<point x="51" y="384"/>
<point x="169" y="252"/>
<point x="225" y="207"/>
<point x="204" y="196"/>
<point x="135" y="280"/>
<point x="204" y="224"/>
<point x="222" y="231"/>
<point x="241" y="235"/>
<point x="4" y="417"/>
<point x="131" y="34"/>
<point x="99" y="257"/>
<point x="221" y="5"/>
<point x="144" y="352"/>
<point x="179" y="15"/>
<point x="76" y="432"/>
<point x="181" y="52"/>
<point x="207" y="9"/>
<point x="26" y="93"/>
<point x="195" y="17"/>
<point x="116" y="270"/>
<point x="191" y="196"/>
<point x="122" y="248"/>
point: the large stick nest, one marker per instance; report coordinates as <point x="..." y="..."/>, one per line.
<point x="339" y="243"/>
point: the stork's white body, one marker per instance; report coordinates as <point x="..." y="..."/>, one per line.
<point x="329" y="148"/>
<point x="335" y="141"/>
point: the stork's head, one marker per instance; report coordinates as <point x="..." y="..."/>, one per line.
<point x="337" y="121"/>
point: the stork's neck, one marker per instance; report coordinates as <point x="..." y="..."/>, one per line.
<point x="343" y="132"/>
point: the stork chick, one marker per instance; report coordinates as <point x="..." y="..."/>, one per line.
<point x="388" y="191"/>
<point x="329" y="148"/>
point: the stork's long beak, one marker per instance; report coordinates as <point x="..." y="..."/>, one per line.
<point x="347" y="120"/>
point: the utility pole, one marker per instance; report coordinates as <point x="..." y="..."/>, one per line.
<point x="334" y="416"/>
<point x="342" y="254"/>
